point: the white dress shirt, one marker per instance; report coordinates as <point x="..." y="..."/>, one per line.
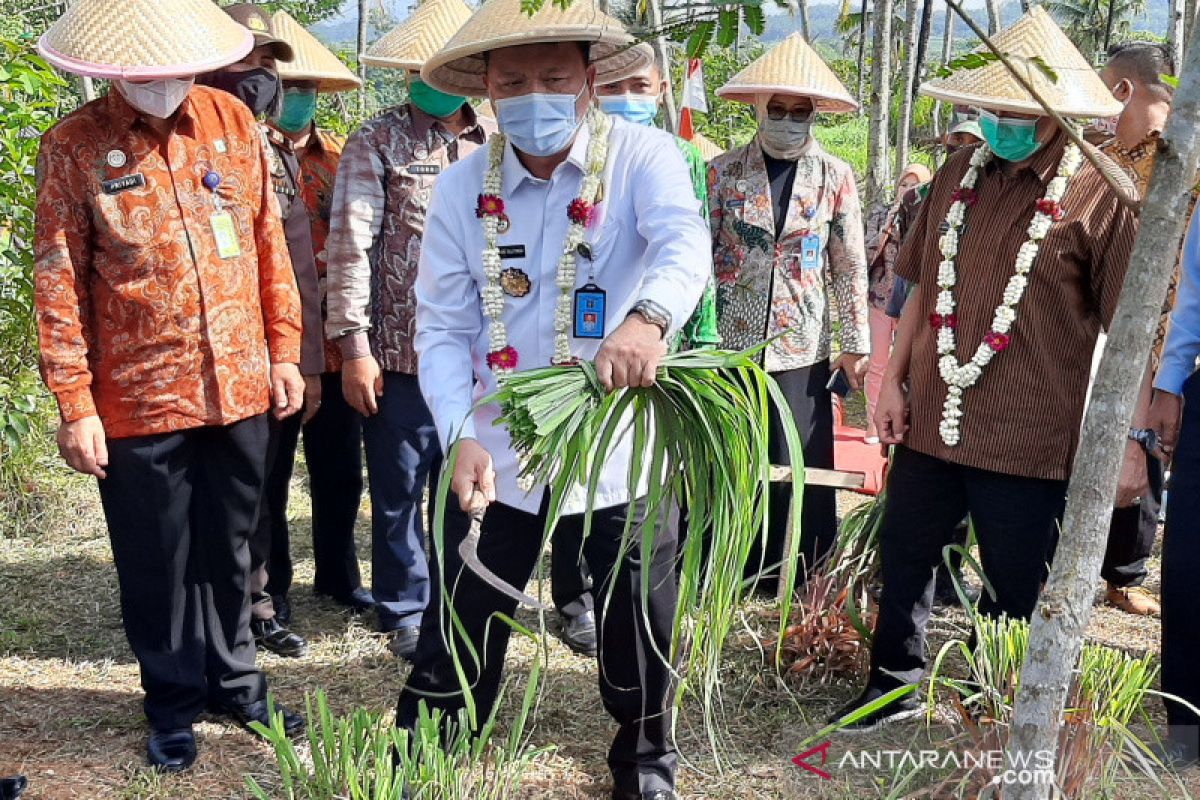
<point x="648" y="241"/>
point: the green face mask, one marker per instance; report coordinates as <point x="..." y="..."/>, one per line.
<point x="1010" y="139"/>
<point x="431" y="101"/>
<point x="299" y="108"/>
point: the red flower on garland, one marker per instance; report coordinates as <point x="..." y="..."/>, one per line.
<point x="996" y="341"/>
<point x="503" y="359"/>
<point x="1051" y="209"/>
<point x="938" y="321"/>
<point x="489" y="205"/>
<point x="579" y="211"/>
<point x="965" y="195"/>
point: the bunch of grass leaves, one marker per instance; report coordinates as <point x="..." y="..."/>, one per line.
<point x="700" y="439"/>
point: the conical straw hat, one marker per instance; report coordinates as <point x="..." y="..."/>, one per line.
<point x="790" y="67"/>
<point x="458" y="67"/>
<point x="1077" y="92"/>
<point x="313" y="61"/>
<point x="410" y="44"/>
<point x="144" y="39"/>
<point x="707" y="147"/>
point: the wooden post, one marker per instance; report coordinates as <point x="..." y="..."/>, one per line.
<point x="1058" y="626"/>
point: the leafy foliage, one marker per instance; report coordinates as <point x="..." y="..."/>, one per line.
<point x="31" y="100"/>
<point x="306" y="12"/>
<point x="978" y="60"/>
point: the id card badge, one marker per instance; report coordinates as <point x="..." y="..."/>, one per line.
<point x="589" y="312"/>
<point x="810" y="251"/>
<point x="225" y="235"/>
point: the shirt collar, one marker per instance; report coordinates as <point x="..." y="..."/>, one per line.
<point x="513" y="172"/>
<point x="423" y="123"/>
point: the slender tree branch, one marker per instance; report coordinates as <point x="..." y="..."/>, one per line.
<point x="1067" y="128"/>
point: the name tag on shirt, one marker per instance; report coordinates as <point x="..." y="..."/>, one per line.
<point x="225" y="235"/>
<point x="589" y="312"/>
<point x="424" y="169"/>
<point x="810" y="251"/>
<point x="118" y="185"/>
<point x="512" y="251"/>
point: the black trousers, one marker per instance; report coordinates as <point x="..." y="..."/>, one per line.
<point x="333" y="451"/>
<point x="270" y="544"/>
<point x="634" y="629"/>
<point x="1131" y="534"/>
<point x="812" y="409"/>
<point x="1180" y="560"/>
<point x="180" y="508"/>
<point x="570" y="579"/>
<point x="1016" y="528"/>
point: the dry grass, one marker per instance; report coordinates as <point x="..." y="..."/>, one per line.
<point x="70" y="703"/>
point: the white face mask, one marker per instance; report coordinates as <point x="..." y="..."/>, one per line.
<point x="160" y="98"/>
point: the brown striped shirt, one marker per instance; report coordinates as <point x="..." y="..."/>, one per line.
<point x="1022" y="416"/>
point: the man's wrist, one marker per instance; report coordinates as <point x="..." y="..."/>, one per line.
<point x="653" y="313"/>
<point x="354" y="345"/>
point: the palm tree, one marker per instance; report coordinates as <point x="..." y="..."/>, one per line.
<point x="908" y="71"/>
<point x="881" y="93"/>
<point x="1093" y="24"/>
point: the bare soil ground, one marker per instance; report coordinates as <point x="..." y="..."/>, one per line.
<point x="70" y="702"/>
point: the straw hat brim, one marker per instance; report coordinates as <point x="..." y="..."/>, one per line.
<point x="790" y="67"/>
<point x="1074" y="91"/>
<point x="825" y="102"/>
<point x="313" y="62"/>
<point x="458" y="68"/>
<point x="144" y="39"/>
<point x="411" y="43"/>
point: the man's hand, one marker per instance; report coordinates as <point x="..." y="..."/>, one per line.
<point x="1164" y="418"/>
<point x="1133" y="483"/>
<point x="630" y="355"/>
<point x="473" y="468"/>
<point x="891" y="414"/>
<point x="855" y="367"/>
<point x="312" y="397"/>
<point x="362" y="382"/>
<point x="287" y="390"/>
<point x="82" y="445"/>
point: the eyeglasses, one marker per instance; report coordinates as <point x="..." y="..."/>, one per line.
<point x="798" y="115"/>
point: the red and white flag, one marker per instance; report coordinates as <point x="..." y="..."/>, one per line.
<point x="693" y="97"/>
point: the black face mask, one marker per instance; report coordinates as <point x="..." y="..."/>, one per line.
<point x="951" y="149"/>
<point x="259" y="88"/>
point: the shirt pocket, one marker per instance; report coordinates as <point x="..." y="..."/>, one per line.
<point x="602" y="248"/>
<point x="411" y="184"/>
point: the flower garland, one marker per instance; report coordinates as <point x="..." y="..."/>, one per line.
<point x="502" y="358"/>
<point x="960" y="377"/>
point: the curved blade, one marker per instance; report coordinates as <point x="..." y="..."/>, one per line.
<point x="468" y="550"/>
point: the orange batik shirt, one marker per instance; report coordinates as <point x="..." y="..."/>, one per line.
<point x="161" y="301"/>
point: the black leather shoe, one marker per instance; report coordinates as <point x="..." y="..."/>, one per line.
<point x="403" y="641"/>
<point x="170" y="751"/>
<point x="11" y="788"/>
<point x="579" y="633"/>
<point x="657" y="794"/>
<point x="283" y="608"/>
<point x="270" y="635"/>
<point x="358" y="601"/>
<point x="293" y="723"/>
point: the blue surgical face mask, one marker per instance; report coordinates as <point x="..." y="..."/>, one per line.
<point x="539" y="124"/>
<point x="640" y="109"/>
<point x="1010" y="138"/>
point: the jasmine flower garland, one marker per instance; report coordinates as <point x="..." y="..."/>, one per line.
<point x="960" y="377"/>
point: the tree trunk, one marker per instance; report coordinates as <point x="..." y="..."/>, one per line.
<point x="1025" y="6"/>
<point x="908" y="71"/>
<point x="947" y="52"/>
<point x="664" y="55"/>
<point x="881" y="86"/>
<point x="862" y="55"/>
<point x="923" y="43"/>
<point x="993" y="12"/>
<point x="805" y="22"/>
<point x="1175" y="32"/>
<point x="363" y="18"/>
<point x="1109" y="22"/>
<point x="1056" y="633"/>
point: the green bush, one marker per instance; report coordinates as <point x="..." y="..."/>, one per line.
<point x="32" y="98"/>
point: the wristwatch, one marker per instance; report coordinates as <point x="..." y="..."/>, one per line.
<point x="653" y="313"/>
<point x="1146" y="437"/>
